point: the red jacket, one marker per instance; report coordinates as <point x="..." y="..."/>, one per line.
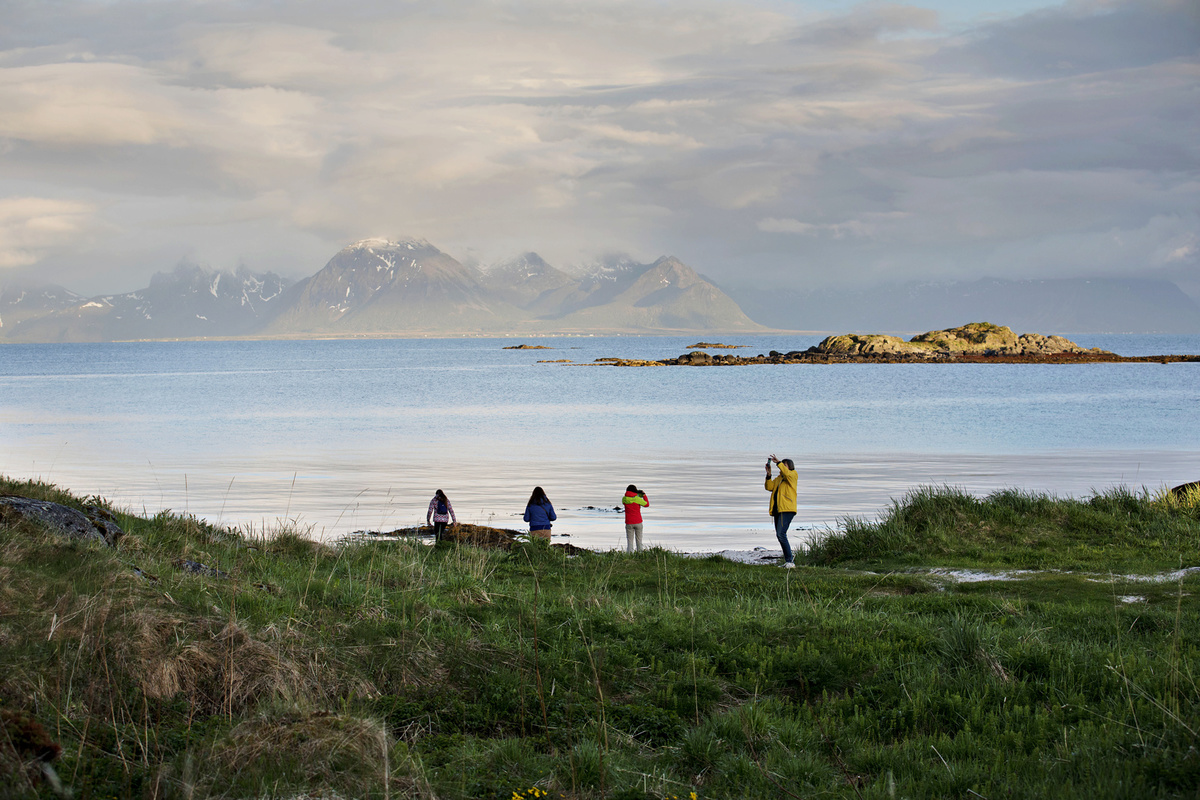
<point x="633" y="507"/>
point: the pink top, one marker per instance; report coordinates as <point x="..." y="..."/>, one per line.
<point x="433" y="512"/>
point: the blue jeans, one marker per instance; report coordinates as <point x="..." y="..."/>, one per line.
<point x="782" y="520"/>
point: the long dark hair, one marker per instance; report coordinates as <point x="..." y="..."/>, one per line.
<point x="440" y="495"/>
<point x="538" y="498"/>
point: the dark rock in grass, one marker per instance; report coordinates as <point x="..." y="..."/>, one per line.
<point x="103" y="520"/>
<point x="196" y="568"/>
<point x="26" y="750"/>
<point x="91" y="524"/>
<point x="481" y="536"/>
<point x="1183" y="490"/>
<point x="146" y="576"/>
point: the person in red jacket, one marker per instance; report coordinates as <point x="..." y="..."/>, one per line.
<point x="633" y="501"/>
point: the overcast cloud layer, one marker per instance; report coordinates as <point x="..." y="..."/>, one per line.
<point x="760" y="142"/>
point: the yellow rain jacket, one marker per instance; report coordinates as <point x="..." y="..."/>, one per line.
<point x="783" y="490"/>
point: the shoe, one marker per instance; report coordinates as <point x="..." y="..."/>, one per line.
<point x="789" y="565"/>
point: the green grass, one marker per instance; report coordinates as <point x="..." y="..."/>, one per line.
<point x="393" y="669"/>
<point x="1117" y="531"/>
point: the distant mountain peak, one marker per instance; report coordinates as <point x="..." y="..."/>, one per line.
<point x="524" y="266"/>
<point x="380" y="243"/>
<point x="527" y="281"/>
<point x="24" y="300"/>
<point x="610" y="268"/>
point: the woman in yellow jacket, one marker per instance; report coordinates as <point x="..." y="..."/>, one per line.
<point x="783" y="502"/>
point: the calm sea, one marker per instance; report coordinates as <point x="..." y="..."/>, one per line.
<point x="340" y="436"/>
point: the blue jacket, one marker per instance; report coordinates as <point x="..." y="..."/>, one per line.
<point x="539" y="517"/>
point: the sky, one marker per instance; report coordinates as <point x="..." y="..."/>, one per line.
<point x="768" y="143"/>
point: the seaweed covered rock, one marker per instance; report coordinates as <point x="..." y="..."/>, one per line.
<point x="91" y="524"/>
<point x="481" y="535"/>
<point x="696" y="357"/>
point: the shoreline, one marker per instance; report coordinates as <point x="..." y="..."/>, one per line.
<point x="692" y="359"/>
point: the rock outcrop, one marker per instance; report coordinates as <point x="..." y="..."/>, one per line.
<point x="196" y="568"/>
<point x="91" y="524"/>
<point x="976" y="343"/>
<point x="976" y="338"/>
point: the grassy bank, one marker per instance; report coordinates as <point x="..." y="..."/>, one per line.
<point x="394" y="669"/>
<point x="1119" y="531"/>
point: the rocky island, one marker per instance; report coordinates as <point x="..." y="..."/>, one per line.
<point x="974" y="343"/>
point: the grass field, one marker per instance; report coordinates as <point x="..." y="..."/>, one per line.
<point x="400" y="670"/>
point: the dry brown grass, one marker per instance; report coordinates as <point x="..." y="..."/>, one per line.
<point x="330" y="749"/>
<point x="223" y="669"/>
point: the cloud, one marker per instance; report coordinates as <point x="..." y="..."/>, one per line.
<point x="1082" y="37"/>
<point x="75" y="104"/>
<point x="32" y="226"/>
<point x="837" y="230"/>
<point x="1184" y="252"/>
<point x="279" y="55"/>
<point x="752" y="139"/>
<point x="865" y="25"/>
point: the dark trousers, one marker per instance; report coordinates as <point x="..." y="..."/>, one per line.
<point x="439" y="528"/>
<point x="782" y="520"/>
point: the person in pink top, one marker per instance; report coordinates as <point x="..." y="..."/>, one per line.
<point x="633" y="501"/>
<point x="440" y="512"/>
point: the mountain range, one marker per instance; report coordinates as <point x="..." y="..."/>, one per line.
<point x="383" y="287"/>
<point x="189" y="302"/>
<point x="409" y="287"/>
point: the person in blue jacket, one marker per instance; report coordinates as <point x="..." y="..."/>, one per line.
<point x="539" y="513"/>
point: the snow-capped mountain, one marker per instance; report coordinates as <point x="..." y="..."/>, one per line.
<point x="382" y="286"/>
<point x="191" y="301"/>
<point x="609" y="268"/>
<point x="527" y="281"/>
<point x="22" y="301"/>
